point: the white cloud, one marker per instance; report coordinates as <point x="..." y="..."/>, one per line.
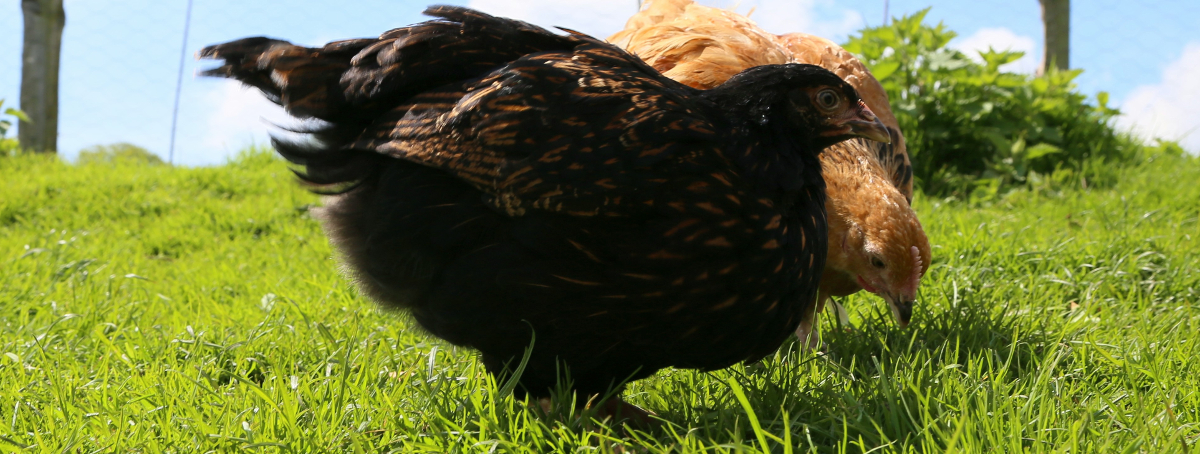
<point x="1002" y="39"/>
<point x="602" y="18"/>
<point x="598" y="18"/>
<point x="239" y="116"/>
<point x="815" y="17"/>
<point x="1169" y="109"/>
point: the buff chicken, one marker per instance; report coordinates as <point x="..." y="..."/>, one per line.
<point x="517" y="189"/>
<point x="876" y="242"/>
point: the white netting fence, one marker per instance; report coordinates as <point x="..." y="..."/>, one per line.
<point x="120" y="59"/>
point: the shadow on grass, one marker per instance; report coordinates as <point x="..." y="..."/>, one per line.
<point x="872" y="386"/>
<point x="875" y="386"/>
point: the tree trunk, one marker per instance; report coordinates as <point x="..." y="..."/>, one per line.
<point x="1056" y="21"/>
<point x="44" y="21"/>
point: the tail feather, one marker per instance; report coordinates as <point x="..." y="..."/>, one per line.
<point x="354" y="79"/>
<point x="328" y="167"/>
<point x="301" y="79"/>
<point x="348" y="84"/>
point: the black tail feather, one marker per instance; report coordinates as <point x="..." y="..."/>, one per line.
<point x="328" y="167"/>
<point x="348" y="84"/>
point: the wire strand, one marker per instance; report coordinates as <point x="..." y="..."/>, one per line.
<point x="187" y="25"/>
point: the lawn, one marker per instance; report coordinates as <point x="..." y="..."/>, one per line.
<point x="157" y="309"/>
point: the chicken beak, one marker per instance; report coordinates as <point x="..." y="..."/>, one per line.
<point x="901" y="310"/>
<point x="866" y="125"/>
<point x="874" y="130"/>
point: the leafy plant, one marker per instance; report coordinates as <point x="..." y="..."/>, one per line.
<point x="973" y="129"/>
<point x="9" y="146"/>
<point x="122" y="151"/>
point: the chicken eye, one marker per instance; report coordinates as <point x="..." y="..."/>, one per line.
<point x="827" y="99"/>
<point x="877" y="262"/>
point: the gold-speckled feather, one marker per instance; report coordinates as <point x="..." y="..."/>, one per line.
<point x="541" y="152"/>
<point x="869" y="183"/>
<point x="703" y="47"/>
<point x="494" y="178"/>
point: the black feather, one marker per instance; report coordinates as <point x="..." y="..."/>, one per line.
<point x="493" y="177"/>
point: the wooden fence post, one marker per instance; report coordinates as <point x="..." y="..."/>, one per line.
<point x="1056" y="22"/>
<point x="44" y="21"/>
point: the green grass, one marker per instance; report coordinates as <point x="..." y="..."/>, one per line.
<point x="151" y="309"/>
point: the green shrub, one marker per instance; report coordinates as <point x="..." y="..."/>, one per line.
<point x="122" y="151"/>
<point x="254" y="157"/>
<point x="974" y="130"/>
<point x="9" y="146"/>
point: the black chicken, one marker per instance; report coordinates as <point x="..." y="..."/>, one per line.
<point x="504" y="184"/>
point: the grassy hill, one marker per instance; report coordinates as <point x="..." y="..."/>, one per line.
<point x="146" y="308"/>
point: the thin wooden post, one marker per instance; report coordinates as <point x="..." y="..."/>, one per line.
<point x="44" y="21"/>
<point x="1056" y="22"/>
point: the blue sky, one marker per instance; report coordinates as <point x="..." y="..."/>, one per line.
<point x="120" y="57"/>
